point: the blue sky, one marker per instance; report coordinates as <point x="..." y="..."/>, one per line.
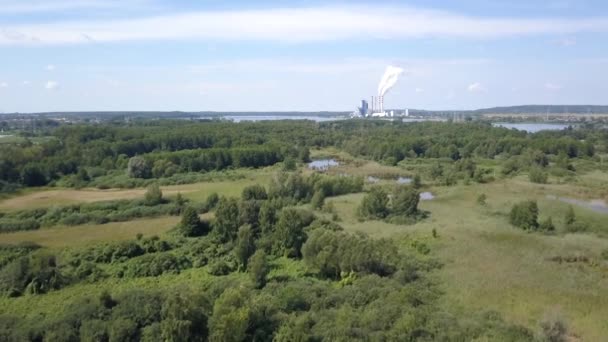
<point x="299" y="55"/>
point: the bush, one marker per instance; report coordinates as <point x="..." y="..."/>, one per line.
<point x="9" y="225"/>
<point x="537" y="175"/>
<point x="405" y="201"/>
<point x="525" y="215"/>
<point x="153" y="265"/>
<point x="138" y="167"/>
<point x="481" y="199"/>
<point x="374" y="204"/>
<point x="547" y="225"/>
<point x="154" y="195"/>
<point x="258" y="268"/>
<point x="254" y="192"/>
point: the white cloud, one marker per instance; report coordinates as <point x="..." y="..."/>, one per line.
<point x="25" y="83"/>
<point x="419" y="90"/>
<point x="50" y="67"/>
<point x="38" y="6"/>
<point x="3" y="85"/>
<point x="565" y="42"/>
<point x="51" y="85"/>
<point x="553" y="86"/>
<point x="476" y="88"/>
<point x="293" y="25"/>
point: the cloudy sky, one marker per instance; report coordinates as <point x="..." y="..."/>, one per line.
<point x="299" y="55"/>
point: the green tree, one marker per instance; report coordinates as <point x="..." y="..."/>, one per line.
<point x="374" y="204"/>
<point x="416" y="181"/>
<point x="537" y="175"/>
<point x="245" y="245"/>
<point x="191" y="224"/>
<point x="289" y="164"/>
<point x="405" y="201"/>
<point x="258" y="268"/>
<point x="570" y="216"/>
<point x="289" y="232"/>
<point x="318" y="199"/>
<point x="153" y="195"/>
<point x="138" y="167"/>
<point x="525" y="215"/>
<point x="547" y="225"/>
<point x="254" y="192"/>
<point x="231" y="315"/>
<point x="227" y="219"/>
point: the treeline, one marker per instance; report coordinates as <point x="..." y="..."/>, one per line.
<point x="164" y="148"/>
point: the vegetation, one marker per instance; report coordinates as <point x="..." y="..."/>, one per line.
<point x="302" y="254"/>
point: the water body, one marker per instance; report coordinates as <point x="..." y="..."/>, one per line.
<point x="597" y="205"/>
<point x="240" y="118"/>
<point x="426" y="196"/>
<point x="404" y="180"/>
<point x="372" y="179"/>
<point x="5" y="136"/>
<point x="531" y="127"/>
<point x="322" y="164"/>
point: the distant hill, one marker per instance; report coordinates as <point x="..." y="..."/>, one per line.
<point x="526" y="109"/>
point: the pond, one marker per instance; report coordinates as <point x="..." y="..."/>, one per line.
<point x="404" y="180"/>
<point x="531" y="127"/>
<point x="597" y="205"/>
<point x="372" y="179"/>
<point x="322" y="164"/>
<point x="426" y="196"/>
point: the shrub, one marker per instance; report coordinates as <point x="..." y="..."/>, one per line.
<point x="481" y="199"/>
<point x="374" y="204"/>
<point x="254" y="192"/>
<point x="547" y="225"/>
<point x="405" y="201"/>
<point x="191" y="224"/>
<point x="537" y="175"/>
<point x="154" y="195"/>
<point x="318" y="199"/>
<point x="153" y="265"/>
<point x="525" y="215"/>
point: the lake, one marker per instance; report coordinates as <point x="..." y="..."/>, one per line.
<point x="426" y="196"/>
<point x="240" y="118"/>
<point x="531" y="127"/>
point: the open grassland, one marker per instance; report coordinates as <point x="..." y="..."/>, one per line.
<point x="196" y="192"/>
<point x="490" y="265"/>
<point x="61" y="236"/>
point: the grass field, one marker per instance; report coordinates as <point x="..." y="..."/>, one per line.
<point x="196" y="192"/>
<point x="490" y="265"/>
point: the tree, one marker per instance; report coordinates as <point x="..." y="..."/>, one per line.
<point x="318" y="199"/>
<point x="267" y="217"/>
<point x="230" y="318"/>
<point x="32" y="175"/>
<point x="245" y="245"/>
<point x="191" y="224"/>
<point x="547" y="225"/>
<point x="374" y="204"/>
<point x="525" y="215"/>
<point x="405" y="201"/>
<point x="154" y="195"/>
<point x="570" y="217"/>
<point x="289" y="232"/>
<point x="258" y="268"/>
<point x="227" y="219"/>
<point x="138" y="167"/>
<point x="416" y="181"/>
<point x="289" y="164"/>
<point x="254" y="192"/>
<point x="304" y="155"/>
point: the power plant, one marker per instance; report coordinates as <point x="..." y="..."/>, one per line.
<point x="388" y="81"/>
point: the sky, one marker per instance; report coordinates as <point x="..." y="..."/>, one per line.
<point x="212" y="55"/>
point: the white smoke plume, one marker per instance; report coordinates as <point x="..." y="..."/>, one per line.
<point x="390" y="78"/>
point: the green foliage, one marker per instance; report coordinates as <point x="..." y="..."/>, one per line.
<point x="138" y="167"/>
<point x="245" y="245"/>
<point x="153" y="195"/>
<point x="524" y="215"/>
<point x="212" y="200"/>
<point x="416" y="182"/>
<point x="258" y="268"/>
<point x="547" y="225"/>
<point x="191" y="224"/>
<point x="230" y="318"/>
<point x="482" y="199"/>
<point x="537" y="175"/>
<point x="254" y="192"/>
<point x="289" y="164"/>
<point x="405" y="201"/>
<point x="374" y="204"/>
<point x="318" y="199"/>
<point x="34" y="274"/>
<point x="227" y="220"/>
<point x="289" y="234"/>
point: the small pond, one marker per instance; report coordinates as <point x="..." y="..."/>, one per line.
<point x="372" y="179"/>
<point x="322" y="164"/>
<point x="426" y="196"/>
<point x="597" y="205"/>
<point x="404" y="180"/>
